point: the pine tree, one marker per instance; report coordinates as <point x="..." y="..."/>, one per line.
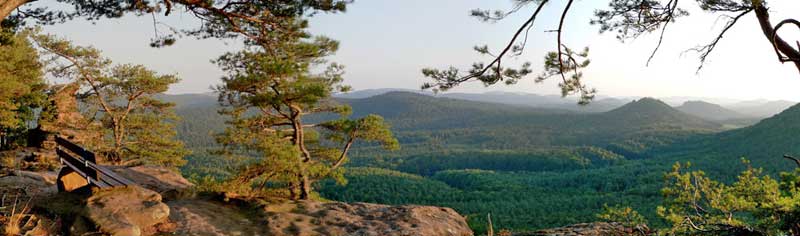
<point x="755" y="204"/>
<point x="269" y="92"/>
<point x="136" y="126"/>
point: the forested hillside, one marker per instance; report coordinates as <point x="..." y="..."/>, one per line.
<point x="420" y="121"/>
<point x="508" y="192"/>
<point x="540" y="101"/>
<point x="486" y="157"/>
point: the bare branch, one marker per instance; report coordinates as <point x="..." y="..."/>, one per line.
<point x="708" y="48"/>
<point x="560" y="45"/>
<point x="673" y="6"/>
<point x="796" y="161"/>
<point x="496" y="63"/>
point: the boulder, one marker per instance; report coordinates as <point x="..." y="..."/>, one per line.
<point x="126" y="211"/>
<point x="365" y="219"/>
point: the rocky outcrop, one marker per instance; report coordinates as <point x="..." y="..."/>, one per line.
<point x="590" y="229"/>
<point x="126" y="211"/>
<point x="140" y="210"/>
<point x="28" y="183"/>
<point x="336" y="218"/>
<point x="163" y="180"/>
<point x="204" y="217"/>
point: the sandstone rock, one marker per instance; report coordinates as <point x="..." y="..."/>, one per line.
<point x="198" y="217"/>
<point x="160" y="179"/>
<point x="588" y="229"/>
<point x="126" y="211"/>
<point x="31" y="183"/>
<point x="336" y="218"/>
<point x="44" y="177"/>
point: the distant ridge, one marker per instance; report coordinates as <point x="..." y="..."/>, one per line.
<point x="506" y="98"/>
<point x="709" y="111"/>
<point x="762" y="108"/>
<point x="375" y="92"/>
<point x="651" y="111"/>
<point x="419" y="118"/>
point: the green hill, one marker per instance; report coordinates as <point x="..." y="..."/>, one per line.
<point x="422" y="123"/>
<point x="764" y="143"/>
<point x="531" y="168"/>
<point x="419" y="119"/>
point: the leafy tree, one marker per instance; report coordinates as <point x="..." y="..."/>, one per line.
<point x="269" y="91"/>
<point x="755" y="204"/>
<point x="137" y="127"/>
<point x="629" y="19"/>
<point x="21" y="86"/>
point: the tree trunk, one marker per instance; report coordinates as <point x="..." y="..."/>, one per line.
<point x="8" y="6"/>
<point x="305" y="187"/>
<point x="2" y="140"/>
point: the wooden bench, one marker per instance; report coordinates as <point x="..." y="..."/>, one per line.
<point x="80" y="169"/>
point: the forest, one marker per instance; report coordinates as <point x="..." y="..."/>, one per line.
<point x="280" y="121"/>
<point x="526" y="177"/>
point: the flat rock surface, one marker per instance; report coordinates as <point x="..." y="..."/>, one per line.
<point x="363" y="219"/>
<point x="208" y="218"/>
<point x="156" y="178"/>
<point x="306" y="218"/>
<point x="29" y="183"/>
<point x="586" y="229"/>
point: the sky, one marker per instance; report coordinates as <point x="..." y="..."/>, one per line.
<point x="385" y="44"/>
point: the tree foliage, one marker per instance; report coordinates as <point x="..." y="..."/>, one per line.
<point x="218" y="18"/>
<point x="22" y="86"/>
<point x="136" y="126"/>
<point x="625" y="215"/>
<point x="268" y="91"/>
<point x="756" y="204"/>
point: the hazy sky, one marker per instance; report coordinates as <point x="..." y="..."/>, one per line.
<point x="386" y="43"/>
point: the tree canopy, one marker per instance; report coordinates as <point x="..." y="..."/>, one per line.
<point x="218" y="18"/>
<point x="269" y="89"/>
<point x="136" y="126"/>
<point x="22" y="87"/>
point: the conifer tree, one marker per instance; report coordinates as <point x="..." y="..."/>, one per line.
<point x="269" y="92"/>
<point x="137" y="127"/>
<point x="756" y="204"/>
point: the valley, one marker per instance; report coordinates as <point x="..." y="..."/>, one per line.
<point x="530" y="167"/>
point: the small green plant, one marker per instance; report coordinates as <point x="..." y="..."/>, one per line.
<point x="625" y="215"/>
